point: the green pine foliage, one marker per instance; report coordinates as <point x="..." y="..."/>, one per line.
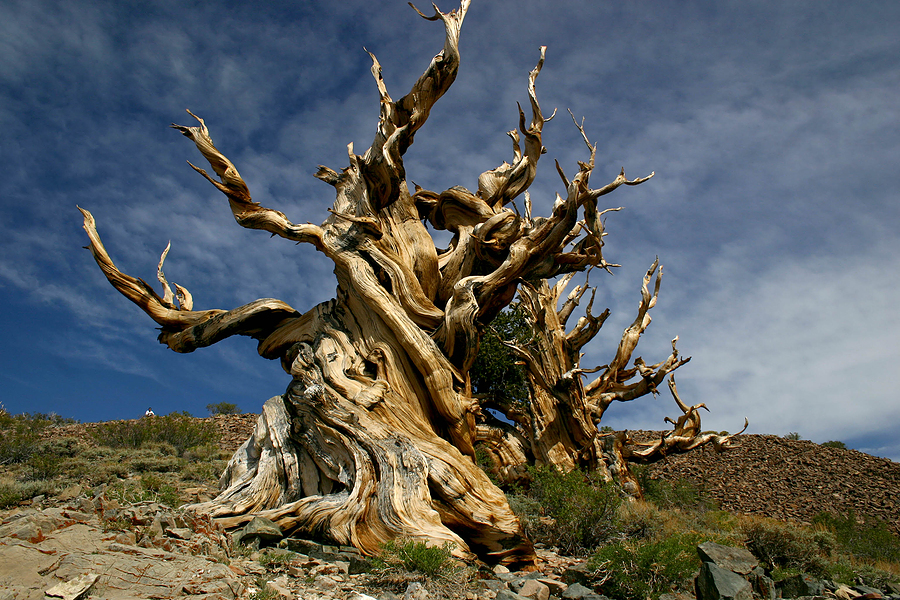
<point x="495" y="374"/>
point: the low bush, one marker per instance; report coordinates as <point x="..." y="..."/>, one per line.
<point x="785" y="546"/>
<point x="148" y="488"/>
<point x="582" y="506"/>
<point x="14" y="492"/>
<point x="636" y="570"/>
<point x="417" y="557"/>
<point x="640" y="520"/>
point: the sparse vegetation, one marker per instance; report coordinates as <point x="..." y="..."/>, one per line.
<point x="276" y="558"/>
<point x="180" y="430"/>
<point x="406" y="560"/>
<point x="793" y="435"/>
<point x="637" y="550"/>
<point x="862" y="538"/>
<point x="635" y="570"/>
<point x="223" y="408"/>
<point x="415" y="556"/>
<point x="20" y="434"/>
<point x="680" y="493"/>
<point x="574" y="511"/>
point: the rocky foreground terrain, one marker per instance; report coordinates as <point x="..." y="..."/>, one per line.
<point x="82" y="544"/>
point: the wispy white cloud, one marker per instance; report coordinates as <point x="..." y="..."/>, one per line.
<point x="773" y="129"/>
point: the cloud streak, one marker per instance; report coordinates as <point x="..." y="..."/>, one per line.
<point x="773" y="129"/>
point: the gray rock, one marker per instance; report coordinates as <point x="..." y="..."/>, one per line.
<point x="762" y="585"/>
<point x="715" y="583"/>
<point x="535" y="590"/>
<point x="577" y="574"/>
<point x="509" y="595"/>
<point x="259" y="532"/>
<point x="800" y="585"/>
<point x="864" y="589"/>
<point x="737" y="560"/>
<point x="576" y="591"/>
<point x="415" y="591"/>
<point x="73" y="589"/>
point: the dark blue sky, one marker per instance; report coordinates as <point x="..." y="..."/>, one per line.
<point x="772" y="128"/>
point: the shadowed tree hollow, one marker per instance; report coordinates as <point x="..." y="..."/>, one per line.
<point x="375" y="436"/>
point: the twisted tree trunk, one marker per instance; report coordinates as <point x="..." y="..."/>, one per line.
<point x="374" y="437"/>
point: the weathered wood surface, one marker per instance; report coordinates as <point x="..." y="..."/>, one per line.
<point x="374" y="438"/>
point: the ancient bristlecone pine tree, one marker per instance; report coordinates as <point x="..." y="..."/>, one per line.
<point x="374" y="437"/>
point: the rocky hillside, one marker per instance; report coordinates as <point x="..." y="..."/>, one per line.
<point x="790" y="480"/>
<point x="765" y="475"/>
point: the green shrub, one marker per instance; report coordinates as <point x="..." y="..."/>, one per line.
<point x="42" y="466"/>
<point x="793" y="435"/>
<point x="19" y="436"/>
<point x="636" y="570"/>
<point x="263" y="591"/>
<point x="180" y="430"/>
<point x="150" y="460"/>
<point x="582" y="505"/>
<point x="529" y="512"/>
<point x="835" y="444"/>
<point x="417" y="557"/>
<point x="785" y="546"/>
<point x="223" y="408"/>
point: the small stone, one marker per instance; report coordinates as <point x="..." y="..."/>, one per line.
<point x="415" y="591"/>
<point x="70" y="493"/>
<point x="576" y="591"/>
<point x="509" y="595"/>
<point x="500" y="569"/>
<point x="74" y="588"/>
<point x="556" y="587"/>
<point x="280" y="587"/>
<point x="126" y="538"/>
<point x="535" y="590"/>
<point x="324" y="582"/>
<point x="180" y="533"/>
<point x="577" y="574"/>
